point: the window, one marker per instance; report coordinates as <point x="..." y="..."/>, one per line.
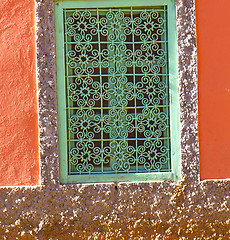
<point x="117" y="91"/>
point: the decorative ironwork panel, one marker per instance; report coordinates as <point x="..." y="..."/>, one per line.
<point x="117" y="90"/>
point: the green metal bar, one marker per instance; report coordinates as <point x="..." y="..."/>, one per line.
<point x="131" y="177"/>
<point x="137" y="107"/>
<point x="174" y="91"/>
<point x="118" y="3"/>
<point x="106" y="140"/>
<point x="62" y="133"/>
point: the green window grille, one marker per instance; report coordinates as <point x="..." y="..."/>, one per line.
<point x="117" y="91"/>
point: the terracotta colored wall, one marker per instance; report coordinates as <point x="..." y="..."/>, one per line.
<point x="18" y="103"/>
<point x="213" y="38"/>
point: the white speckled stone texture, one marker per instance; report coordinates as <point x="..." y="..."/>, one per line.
<point x="188" y="209"/>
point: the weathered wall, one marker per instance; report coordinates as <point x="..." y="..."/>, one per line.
<point x="188" y="209"/>
<point x="124" y="211"/>
<point x="213" y="39"/>
<point x="19" y="162"/>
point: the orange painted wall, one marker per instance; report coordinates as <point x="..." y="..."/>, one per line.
<point x="213" y="37"/>
<point x="19" y="163"/>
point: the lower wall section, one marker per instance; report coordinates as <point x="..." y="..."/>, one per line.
<point x="124" y="211"/>
<point x="187" y="209"/>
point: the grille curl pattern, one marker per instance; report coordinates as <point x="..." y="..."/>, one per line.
<point x="117" y="90"/>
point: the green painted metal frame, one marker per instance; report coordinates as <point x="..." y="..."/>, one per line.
<point x="173" y="94"/>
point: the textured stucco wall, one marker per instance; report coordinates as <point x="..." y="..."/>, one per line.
<point x="19" y="157"/>
<point x="188" y="209"/>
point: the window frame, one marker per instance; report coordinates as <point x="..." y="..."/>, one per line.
<point x="173" y="95"/>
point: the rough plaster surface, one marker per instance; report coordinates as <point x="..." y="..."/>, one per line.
<point x="19" y="163"/>
<point x="188" y="209"/>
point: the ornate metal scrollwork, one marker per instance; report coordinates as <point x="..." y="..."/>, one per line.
<point x="117" y="90"/>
